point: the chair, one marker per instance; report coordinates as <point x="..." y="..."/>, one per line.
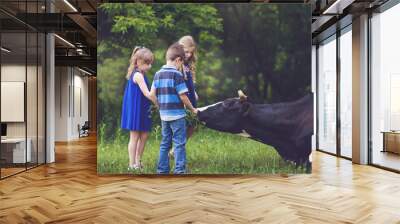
<point x="84" y="130"/>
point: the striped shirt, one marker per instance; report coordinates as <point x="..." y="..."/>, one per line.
<point x="169" y="83"/>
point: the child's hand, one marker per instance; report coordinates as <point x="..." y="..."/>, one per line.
<point x="195" y="111"/>
<point x="192" y="118"/>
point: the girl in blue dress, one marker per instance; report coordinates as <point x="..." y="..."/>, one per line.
<point x="135" y="115"/>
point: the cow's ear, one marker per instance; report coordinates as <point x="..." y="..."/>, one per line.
<point x="242" y="97"/>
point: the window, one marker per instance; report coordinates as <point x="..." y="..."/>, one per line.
<point x="385" y="88"/>
<point x="327" y="95"/>
<point x="346" y="92"/>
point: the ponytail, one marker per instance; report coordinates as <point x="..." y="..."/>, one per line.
<point x="132" y="62"/>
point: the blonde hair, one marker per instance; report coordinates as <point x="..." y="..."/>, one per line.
<point x="188" y="42"/>
<point x="139" y="54"/>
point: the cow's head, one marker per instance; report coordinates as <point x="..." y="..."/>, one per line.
<point x="226" y="115"/>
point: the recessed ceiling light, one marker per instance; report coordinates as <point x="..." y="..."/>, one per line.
<point x="64" y="40"/>
<point x="337" y="7"/>
<point x="70" y="5"/>
<point x="86" y="72"/>
<point x="5" y="50"/>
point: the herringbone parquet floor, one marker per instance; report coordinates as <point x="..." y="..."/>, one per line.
<point x="70" y="191"/>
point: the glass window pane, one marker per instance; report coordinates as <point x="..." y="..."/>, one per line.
<point x="41" y="98"/>
<point x="23" y="86"/>
<point x="327" y="96"/>
<point x="13" y="86"/>
<point x="31" y="100"/>
<point x="32" y="85"/>
<point x="346" y="94"/>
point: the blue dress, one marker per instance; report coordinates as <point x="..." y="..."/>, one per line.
<point x="135" y="114"/>
<point x="190" y="85"/>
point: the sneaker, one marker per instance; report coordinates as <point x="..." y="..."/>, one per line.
<point x="130" y="169"/>
<point x="133" y="168"/>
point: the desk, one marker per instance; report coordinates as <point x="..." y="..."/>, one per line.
<point x="391" y="141"/>
<point x="13" y="150"/>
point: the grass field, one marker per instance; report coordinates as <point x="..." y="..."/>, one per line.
<point x="207" y="152"/>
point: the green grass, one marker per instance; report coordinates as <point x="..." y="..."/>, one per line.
<point x="207" y="152"/>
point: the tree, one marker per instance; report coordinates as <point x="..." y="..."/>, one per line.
<point x="268" y="49"/>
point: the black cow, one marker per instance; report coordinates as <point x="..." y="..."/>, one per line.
<point x="286" y="126"/>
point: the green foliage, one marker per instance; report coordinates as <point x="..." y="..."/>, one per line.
<point x="156" y="26"/>
<point x="110" y="91"/>
<point x="142" y="24"/>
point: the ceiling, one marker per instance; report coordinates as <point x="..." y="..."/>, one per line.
<point x="73" y="21"/>
<point x="331" y="15"/>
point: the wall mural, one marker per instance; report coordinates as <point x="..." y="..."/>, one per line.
<point x="204" y="88"/>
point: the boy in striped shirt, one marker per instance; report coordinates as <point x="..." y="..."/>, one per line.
<point x="170" y="89"/>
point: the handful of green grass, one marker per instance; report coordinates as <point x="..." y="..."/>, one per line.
<point x="192" y="119"/>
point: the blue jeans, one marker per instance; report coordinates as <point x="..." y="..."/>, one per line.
<point x="173" y="131"/>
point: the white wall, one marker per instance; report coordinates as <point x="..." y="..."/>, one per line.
<point x="80" y="100"/>
<point x="13" y="73"/>
<point x="61" y="103"/>
<point x="17" y="73"/>
<point x="71" y="94"/>
<point x="9" y="73"/>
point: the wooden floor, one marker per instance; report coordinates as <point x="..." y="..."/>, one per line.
<point x="10" y="171"/>
<point x="70" y="191"/>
